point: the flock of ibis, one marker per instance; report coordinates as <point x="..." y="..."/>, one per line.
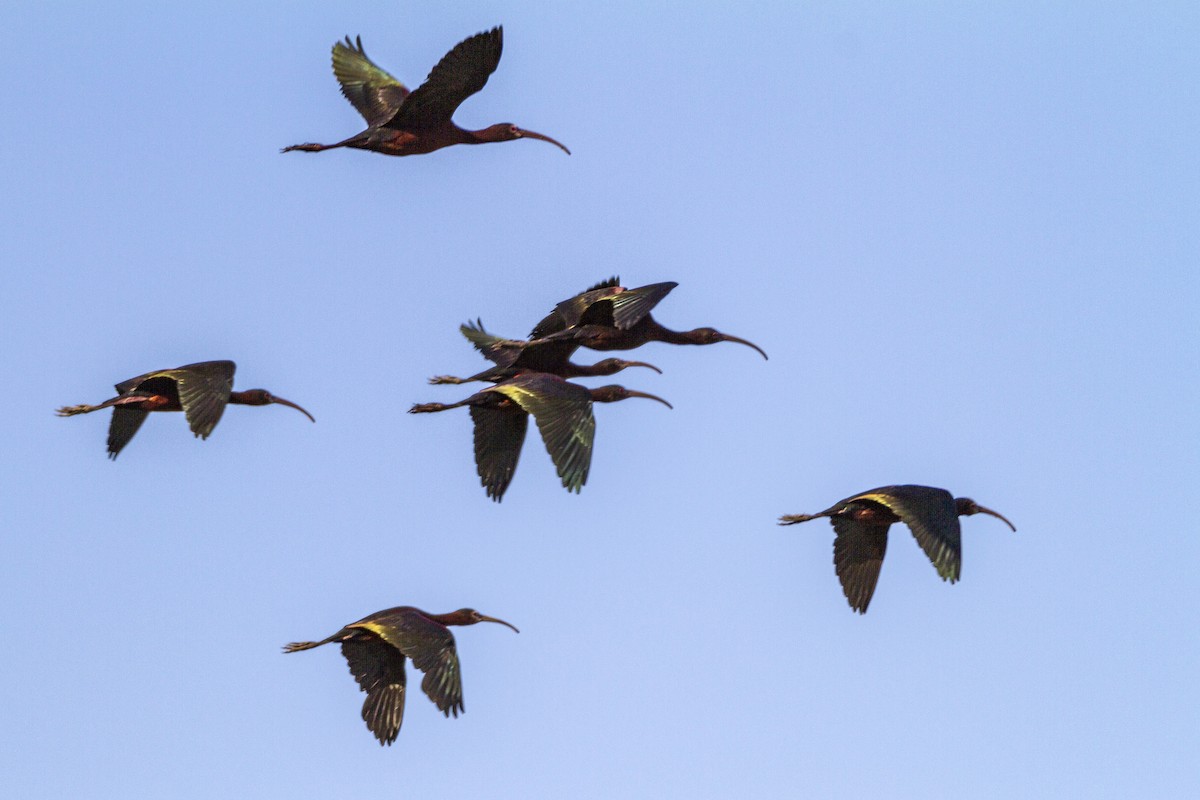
<point x="529" y="377"/>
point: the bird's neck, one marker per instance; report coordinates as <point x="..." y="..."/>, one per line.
<point x="452" y="618"/>
<point x="669" y="336"/>
<point x="482" y="136"/>
<point x="247" y="398"/>
<point x="574" y="370"/>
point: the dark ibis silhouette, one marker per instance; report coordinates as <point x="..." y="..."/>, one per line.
<point x="404" y="123"/>
<point x="376" y="647"/>
<point x="610" y="317"/>
<point x="200" y="390"/>
<point x="607" y="304"/>
<point x="861" y="524"/>
<point x="563" y="412"/>
<point x="513" y="356"/>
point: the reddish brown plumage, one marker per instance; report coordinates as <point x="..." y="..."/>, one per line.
<point x="403" y="123"/>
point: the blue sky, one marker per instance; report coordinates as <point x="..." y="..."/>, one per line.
<point x="966" y="236"/>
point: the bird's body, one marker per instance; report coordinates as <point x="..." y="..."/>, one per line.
<point x="861" y="524"/>
<point x="562" y="410"/>
<point x="513" y="357"/>
<point x="200" y="390"/>
<point x="404" y="123"/>
<point x="610" y="317"/>
<point x="376" y="646"/>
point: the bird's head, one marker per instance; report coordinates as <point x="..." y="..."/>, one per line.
<point x="613" y="393"/>
<point x="261" y="397"/>
<point x="965" y="507"/>
<point x="611" y="366"/>
<point x="506" y="132"/>
<point x="712" y="336"/>
<point x="469" y="616"/>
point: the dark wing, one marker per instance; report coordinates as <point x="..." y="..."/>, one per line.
<point x="604" y="284"/>
<point x="570" y="311"/>
<point x="379" y="669"/>
<point x="611" y="307"/>
<point x="203" y="392"/>
<point x="125" y="387"/>
<point x="563" y="412"/>
<point x="558" y="319"/>
<point x="499" y="435"/>
<point x="932" y="517"/>
<point x="626" y="309"/>
<point x="375" y="93"/>
<point x="125" y="423"/>
<point x="430" y="645"/>
<point x="503" y="352"/>
<point x="858" y="551"/>
<point x="461" y="73"/>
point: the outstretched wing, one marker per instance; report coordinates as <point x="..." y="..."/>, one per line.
<point x="461" y="73"/>
<point x="503" y="352"/>
<point x="563" y="412"/>
<point x="125" y="423"/>
<point x="379" y="669"/>
<point x="373" y="91"/>
<point x="203" y="392"/>
<point x="931" y="516"/>
<point x="499" y="435"/>
<point x="430" y="645"/>
<point x="858" y="551"/>
<point x="626" y="309"/>
<point x="610" y="306"/>
<point x="567" y="312"/>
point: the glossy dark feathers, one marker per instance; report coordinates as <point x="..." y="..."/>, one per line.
<point x="375" y="648"/>
<point x="861" y="525"/>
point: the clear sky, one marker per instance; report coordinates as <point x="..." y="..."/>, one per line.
<point x="966" y="234"/>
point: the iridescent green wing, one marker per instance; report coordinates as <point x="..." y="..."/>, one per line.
<point x="203" y="392"/>
<point x="858" y="551"/>
<point x="625" y="309"/>
<point x="931" y="516"/>
<point x="431" y="647"/>
<point x="563" y="412"/>
<point x="611" y="307"/>
<point x="375" y="93"/>
<point x="503" y="352"/>
<point x="125" y="423"/>
<point x="499" y="435"/>
<point x="379" y="669"/>
<point x="461" y="73"/>
<point x="572" y="308"/>
<point x="125" y="387"/>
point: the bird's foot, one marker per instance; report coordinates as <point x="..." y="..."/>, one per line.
<point x="308" y="147"/>
<point x="426" y="408"/>
<point x="438" y="380"/>
<point x="70" y="411"/>
<point x="792" y="519"/>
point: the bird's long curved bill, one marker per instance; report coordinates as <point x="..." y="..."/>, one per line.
<point x="483" y="618"/>
<point x="725" y="337"/>
<point x="290" y="404"/>
<point x="643" y="364"/>
<point x="532" y="135"/>
<point x="648" y="396"/>
<point x="997" y="515"/>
